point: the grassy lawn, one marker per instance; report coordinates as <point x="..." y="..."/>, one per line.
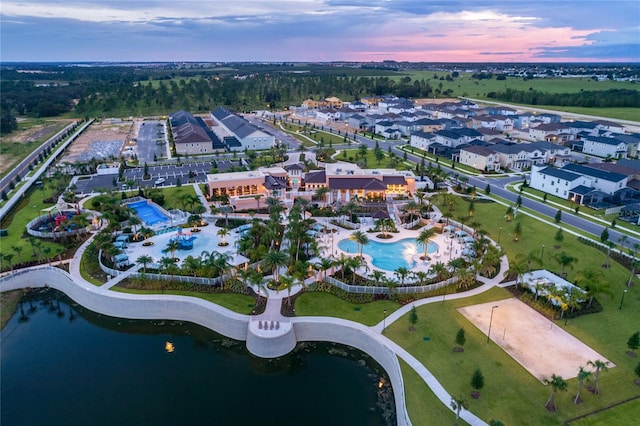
<point x="325" y="304"/>
<point x="606" y="332"/>
<point x="620" y="415"/>
<point x="316" y="134"/>
<point x="422" y="405"/>
<point x="16" y="223"/>
<point x="504" y="377"/>
<point x="90" y="268"/>
<point x="239" y="303"/>
<point x="353" y="156"/>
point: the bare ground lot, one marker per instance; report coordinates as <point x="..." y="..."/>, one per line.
<point x="17" y="145"/>
<point x="90" y="142"/>
<point x="540" y="346"/>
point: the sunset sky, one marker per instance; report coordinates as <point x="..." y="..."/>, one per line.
<point x="321" y="30"/>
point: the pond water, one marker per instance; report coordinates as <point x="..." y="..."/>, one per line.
<point x="63" y="364"/>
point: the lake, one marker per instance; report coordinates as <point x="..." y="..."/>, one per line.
<point x="63" y="364"/>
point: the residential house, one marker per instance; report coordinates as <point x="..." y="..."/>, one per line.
<point x="327" y="114"/>
<point x="554" y="181"/>
<point x="604" y="147"/>
<point x="543" y="131"/>
<point x="422" y="140"/>
<point x="482" y="158"/>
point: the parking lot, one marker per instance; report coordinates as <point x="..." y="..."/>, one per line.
<point x="191" y="172"/>
<point x="151" y="142"/>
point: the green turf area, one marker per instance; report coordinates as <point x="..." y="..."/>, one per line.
<point x="353" y="156"/>
<point x="174" y="195"/>
<point x="510" y="394"/>
<point x="239" y="303"/>
<point x="620" y="415"/>
<point x="325" y="304"/>
<point x="27" y="209"/>
<point x="423" y="406"/>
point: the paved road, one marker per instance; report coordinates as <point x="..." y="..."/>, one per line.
<point x="148" y="135"/>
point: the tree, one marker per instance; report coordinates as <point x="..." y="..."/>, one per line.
<point x="594" y="283"/>
<point x="401" y="273"/>
<point x="582" y="376"/>
<point x="604" y="236"/>
<point x="460" y="338"/>
<point x="637" y="371"/>
<point x="424" y="237"/>
<point x="519" y="201"/>
<point x="559" y="237"/>
<point x="634" y="342"/>
<point x="477" y="381"/>
<point x="509" y="214"/>
<point x="565" y="259"/>
<point x="558" y="217"/>
<point x="144" y="260"/>
<point x="517" y="231"/>
<point x="223" y="232"/>
<point x="275" y="260"/>
<point x="360" y="239"/>
<point x="413" y="316"/>
<point x="487" y="189"/>
<point x="457" y="404"/>
<point x="599" y="366"/>
<point x="557" y="384"/>
<point x="518" y="267"/>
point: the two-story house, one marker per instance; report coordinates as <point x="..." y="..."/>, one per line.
<point x="604" y="147"/>
<point x="480" y="157"/>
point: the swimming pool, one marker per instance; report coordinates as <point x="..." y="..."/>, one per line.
<point x="390" y="256"/>
<point x="148" y="212"/>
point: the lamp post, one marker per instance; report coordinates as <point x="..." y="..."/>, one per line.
<point x="622" y="300"/>
<point x="499" y="234"/>
<point x="384" y="320"/>
<point x="542" y="256"/>
<point x="490" y="321"/>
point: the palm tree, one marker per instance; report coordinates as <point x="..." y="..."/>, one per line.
<point x="342" y="263"/>
<point x="600" y="366"/>
<point x="321" y="193"/>
<point x="8" y="257"/>
<point x="424" y="237"/>
<point x="171" y="247"/>
<point x="466" y="277"/>
<point x="594" y="283"/>
<point x="361" y="239"/>
<point x="401" y="273"/>
<point x="223" y="232"/>
<point x="518" y="267"/>
<point x="377" y="277"/>
<point x="287" y="282"/>
<point x="565" y="259"/>
<point x="324" y="265"/>
<point x="191" y="265"/>
<point x="557" y="384"/>
<point x="582" y="376"/>
<point x="440" y="269"/>
<point x="167" y="264"/>
<point x="144" y="260"/>
<point x="133" y="222"/>
<point x="275" y="260"/>
<point x="458" y="403"/>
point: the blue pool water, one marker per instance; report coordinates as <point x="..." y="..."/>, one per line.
<point x="392" y="255"/>
<point x="148" y="213"/>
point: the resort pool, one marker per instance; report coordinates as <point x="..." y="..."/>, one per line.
<point x="392" y="255"/>
<point x="148" y="212"/>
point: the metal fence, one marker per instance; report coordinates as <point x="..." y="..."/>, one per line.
<point x="386" y="290"/>
<point x="180" y="278"/>
<point x="49" y="234"/>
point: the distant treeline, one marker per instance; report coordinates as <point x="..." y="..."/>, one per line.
<point x="623" y="98"/>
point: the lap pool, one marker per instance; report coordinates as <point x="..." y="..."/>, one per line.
<point x="389" y="256"/>
<point x="148" y="212"/>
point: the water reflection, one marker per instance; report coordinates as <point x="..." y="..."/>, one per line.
<point x="112" y="362"/>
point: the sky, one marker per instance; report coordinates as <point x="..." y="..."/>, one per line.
<point x="320" y="30"/>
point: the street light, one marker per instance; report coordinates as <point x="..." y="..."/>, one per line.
<point x="384" y="320"/>
<point x="542" y="256"/>
<point x="622" y="300"/>
<point x="490" y="321"/>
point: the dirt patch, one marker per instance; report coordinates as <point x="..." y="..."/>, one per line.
<point x="539" y="345"/>
<point x="100" y="140"/>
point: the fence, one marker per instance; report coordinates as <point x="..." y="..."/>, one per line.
<point x="49" y="234"/>
<point x="106" y="269"/>
<point x="386" y="290"/>
<point x="179" y="278"/>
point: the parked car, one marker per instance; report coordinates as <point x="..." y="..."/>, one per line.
<point x="159" y="181"/>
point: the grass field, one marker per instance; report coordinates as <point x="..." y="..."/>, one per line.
<point x="325" y="304"/>
<point x="353" y="156"/>
<point x="16" y="223"/>
<point x="239" y="303"/>
<point x="468" y="87"/>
